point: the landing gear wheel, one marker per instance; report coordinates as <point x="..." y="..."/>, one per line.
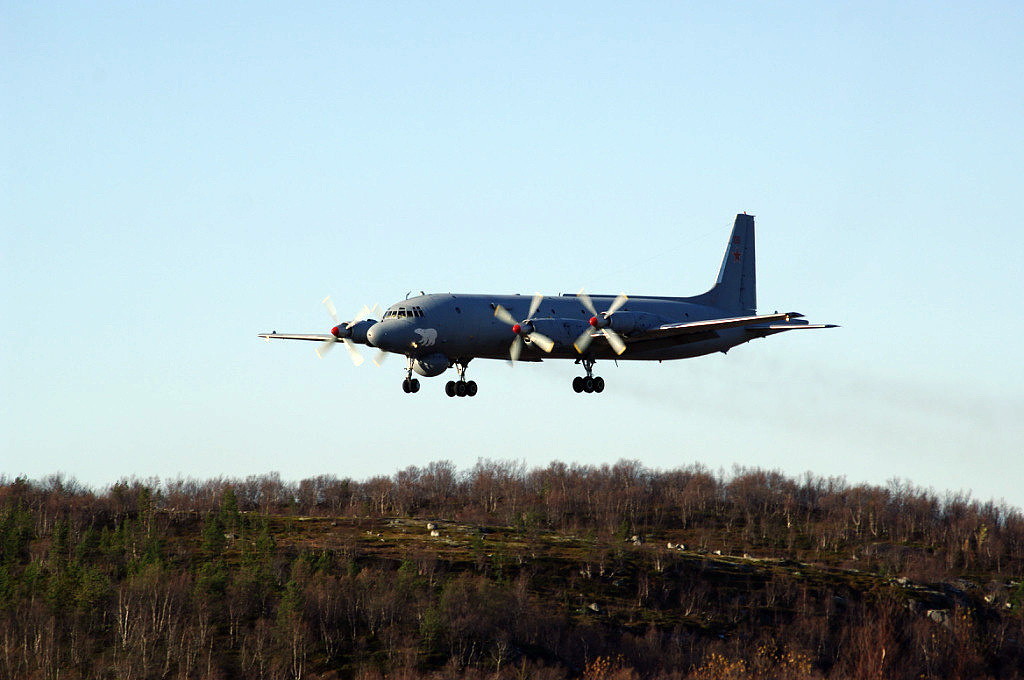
<point x="406" y="387"/>
<point x="599" y="385"/>
<point x="577" y="384"/>
<point x="414" y="385"/>
<point x="461" y="387"/>
<point x="588" y="384"/>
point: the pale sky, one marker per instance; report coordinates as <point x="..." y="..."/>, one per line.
<point x="178" y="178"/>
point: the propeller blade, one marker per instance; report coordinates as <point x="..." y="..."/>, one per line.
<point x="324" y="348"/>
<point x="376" y="312"/>
<point x="542" y="341"/>
<point x="331" y="309"/>
<point x="363" y="313"/>
<point x="583" y="342"/>
<point x="356" y="357"/>
<point x="503" y="315"/>
<point x="619" y="301"/>
<point x="587" y="302"/>
<point x="535" y="304"/>
<point x="615" y="340"/>
<point x="516" y="349"/>
<point x="379" y="357"/>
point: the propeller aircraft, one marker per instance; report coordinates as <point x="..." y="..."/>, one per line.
<point x="439" y="331"/>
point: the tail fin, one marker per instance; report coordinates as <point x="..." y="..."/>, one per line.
<point x="736" y="288"/>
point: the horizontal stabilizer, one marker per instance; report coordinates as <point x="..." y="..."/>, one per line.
<point x="766" y="329"/>
<point x="791" y="327"/>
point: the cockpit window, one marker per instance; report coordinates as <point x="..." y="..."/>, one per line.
<point x="403" y="313"/>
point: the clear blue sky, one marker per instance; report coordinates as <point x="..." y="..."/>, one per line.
<point x="177" y="178"/>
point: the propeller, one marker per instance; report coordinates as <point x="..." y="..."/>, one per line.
<point x="602" y="323"/>
<point x="341" y="331"/>
<point x="524" y="329"/>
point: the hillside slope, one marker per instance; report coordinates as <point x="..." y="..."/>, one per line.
<point x="562" y="572"/>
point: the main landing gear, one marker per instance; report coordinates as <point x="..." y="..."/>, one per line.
<point x="588" y="384"/>
<point x="410" y="385"/>
<point x="460" y="387"/>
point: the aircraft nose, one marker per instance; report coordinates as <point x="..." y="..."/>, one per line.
<point x="387" y="336"/>
<point x="375" y="333"/>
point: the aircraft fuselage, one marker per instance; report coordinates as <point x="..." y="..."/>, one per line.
<point x="438" y="331"/>
<point x="464" y="326"/>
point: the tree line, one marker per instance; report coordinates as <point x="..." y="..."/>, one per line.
<point x="215" y="579"/>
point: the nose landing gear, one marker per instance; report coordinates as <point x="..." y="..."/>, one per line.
<point x="588" y="384"/>
<point x="461" y="387"/>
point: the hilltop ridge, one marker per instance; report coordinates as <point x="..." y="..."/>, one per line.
<point x="566" y="571"/>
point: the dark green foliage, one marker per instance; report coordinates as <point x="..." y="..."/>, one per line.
<point x="15" y="533"/>
<point x="213" y="536"/>
<point x="93" y="589"/>
<point x="212" y="578"/>
<point x="1016" y="598"/>
<point x="230" y="517"/>
<point x="88" y="547"/>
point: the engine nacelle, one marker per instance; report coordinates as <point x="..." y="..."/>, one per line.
<point x="563" y="331"/>
<point x="633" y="322"/>
<point x="357" y="330"/>
<point x="432" y="364"/>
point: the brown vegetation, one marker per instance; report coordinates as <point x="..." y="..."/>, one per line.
<point x="612" y="572"/>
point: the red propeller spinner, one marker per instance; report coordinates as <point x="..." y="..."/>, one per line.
<point x="523" y="330"/>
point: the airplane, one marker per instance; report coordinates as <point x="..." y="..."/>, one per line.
<point x="439" y="331"/>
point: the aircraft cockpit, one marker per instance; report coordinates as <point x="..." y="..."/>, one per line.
<point x="403" y="312"/>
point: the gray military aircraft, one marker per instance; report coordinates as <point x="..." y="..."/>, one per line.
<point x="438" y="331"/>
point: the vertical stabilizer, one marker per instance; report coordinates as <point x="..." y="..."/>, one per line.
<point x="736" y="288"/>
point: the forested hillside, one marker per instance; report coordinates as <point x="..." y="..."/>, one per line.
<point x="568" y="571"/>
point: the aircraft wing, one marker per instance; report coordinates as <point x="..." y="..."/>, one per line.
<point x="672" y="330"/>
<point x="321" y="337"/>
